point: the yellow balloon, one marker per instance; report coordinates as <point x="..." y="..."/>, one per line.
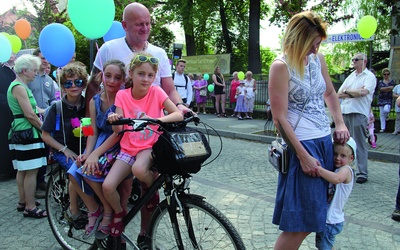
<point x="241" y="75"/>
<point x="367" y="26"/>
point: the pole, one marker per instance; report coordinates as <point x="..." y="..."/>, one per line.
<point x="370" y="54"/>
<point x="91" y="48"/>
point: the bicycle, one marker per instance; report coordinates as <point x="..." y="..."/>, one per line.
<point x="181" y="221"/>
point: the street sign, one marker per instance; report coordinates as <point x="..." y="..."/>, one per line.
<point x="346" y="37"/>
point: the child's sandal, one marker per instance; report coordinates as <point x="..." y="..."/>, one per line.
<point x="103" y="231"/>
<point x="94" y="220"/>
<point x="116" y="228"/>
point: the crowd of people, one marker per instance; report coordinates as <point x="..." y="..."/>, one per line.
<point x="132" y="78"/>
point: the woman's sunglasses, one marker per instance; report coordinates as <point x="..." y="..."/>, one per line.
<point x="68" y="84"/>
<point x="143" y="59"/>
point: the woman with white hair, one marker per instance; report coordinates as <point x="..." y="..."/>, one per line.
<point x="25" y="143"/>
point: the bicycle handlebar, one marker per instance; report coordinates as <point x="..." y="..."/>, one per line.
<point x="141" y="123"/>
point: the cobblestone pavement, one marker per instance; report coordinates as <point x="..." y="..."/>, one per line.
<point x="242" y="184"/>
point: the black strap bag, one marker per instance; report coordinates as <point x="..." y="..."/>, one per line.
<point x="181" y="150"/>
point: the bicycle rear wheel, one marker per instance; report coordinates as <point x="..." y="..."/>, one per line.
<point x="57" y="202"/>
<point x="212" y="230"/>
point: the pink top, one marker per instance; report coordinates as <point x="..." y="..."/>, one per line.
<point x="234" y="85"/>
<point x="152" y="106"/>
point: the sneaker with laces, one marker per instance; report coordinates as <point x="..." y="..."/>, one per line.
<point x="396" y="215"/>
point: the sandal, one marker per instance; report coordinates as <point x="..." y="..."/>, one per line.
<point x="142" y="242"/>
<point x="224" y="115"/>
<point x="93" y="223"/>
<point x="103" y="231"/>
<point x="116" y="228"/>
<point x="218" y="115"/>
<point x="153" y="202"/>
<point x="36" y="213"/>
<point x="21" y="206"/>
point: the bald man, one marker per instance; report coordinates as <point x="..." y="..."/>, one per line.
<point x="137" y="24"/>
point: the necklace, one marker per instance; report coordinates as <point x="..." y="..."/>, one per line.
<point x="132" y="49"/>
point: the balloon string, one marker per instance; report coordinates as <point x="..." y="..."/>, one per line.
<point x="102" y="73"/>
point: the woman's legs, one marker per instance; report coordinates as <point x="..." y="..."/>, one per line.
<point x="204" y="107"/>
<point x="20" y="185"/>
<point x="217" y="100"/>
<point x="223" y="102"/>
<point x="290" y="240"/>
<point x="29" y="187"/>
<point x="382" y="116"/>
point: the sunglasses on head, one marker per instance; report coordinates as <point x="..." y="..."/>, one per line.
<point x="68" y="84"/>
<point x="356" y="59"/>
<point x="143" y="59"/>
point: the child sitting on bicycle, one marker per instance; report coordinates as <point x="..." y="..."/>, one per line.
<point x="103" y="142"/>
<point x="139" y="100"/>
<point x="57" y="132"/>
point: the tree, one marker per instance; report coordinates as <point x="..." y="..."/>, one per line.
<point x="254" y="57"/>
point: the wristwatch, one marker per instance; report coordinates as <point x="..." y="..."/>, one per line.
<point x="180" y="103"/>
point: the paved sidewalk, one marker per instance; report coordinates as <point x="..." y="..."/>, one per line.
<point x="257" y="130"/>
<point x="242" y="184"/>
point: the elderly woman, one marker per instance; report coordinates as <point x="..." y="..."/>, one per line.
<point x="251" y="88"/>
<point x="385" y="97"/>
<point x="26" y="145"/>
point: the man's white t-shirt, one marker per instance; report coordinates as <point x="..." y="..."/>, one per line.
<point x="119" y="50"/>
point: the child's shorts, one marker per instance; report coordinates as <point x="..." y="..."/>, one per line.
<point x="325" y="240"/>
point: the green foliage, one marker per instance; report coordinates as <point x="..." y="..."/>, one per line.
<point x="267" y="57"/>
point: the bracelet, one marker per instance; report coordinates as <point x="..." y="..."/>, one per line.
<point x="180" y="103"/>
<point x="62" y="149"/>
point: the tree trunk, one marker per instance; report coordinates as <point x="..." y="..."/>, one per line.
<point x="225" y="30"/>
<point x="188" y="29"/>
<point x="254" y="57"/>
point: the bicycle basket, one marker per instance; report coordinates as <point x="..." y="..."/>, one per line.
<point x="181" y="150"/>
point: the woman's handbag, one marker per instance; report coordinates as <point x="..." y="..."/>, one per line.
<point x="277" y="156"/>
<point x="203" y="92"/>
<point x="22" y="136"/>
<point x="277" y="152"/>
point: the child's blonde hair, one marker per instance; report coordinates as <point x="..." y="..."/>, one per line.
<point x="137" y="61"/>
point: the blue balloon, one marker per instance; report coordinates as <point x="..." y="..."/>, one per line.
<point x="5" y="49"/>
<point x="116" y="31"/>
<point x="57" y="44"/>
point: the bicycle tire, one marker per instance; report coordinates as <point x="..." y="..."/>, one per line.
<point x="211" y="228"/>
<point x="57" y="201"/>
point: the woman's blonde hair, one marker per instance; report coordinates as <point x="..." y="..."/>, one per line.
<point x="299" y="36"/>
<point x="77" y="69"/>
<point x="386" y="70"/>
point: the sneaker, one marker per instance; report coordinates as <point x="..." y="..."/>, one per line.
<point x="79" y="220"/>
<point x="373" y="145"/>
<point x="382" y="131"/>
<point x="396" y="215"/>
<point x="395" y="133"/>
<point x="40" y="194"/>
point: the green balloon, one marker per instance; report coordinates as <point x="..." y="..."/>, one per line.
<point x="367" y="26"/>
<point x="15" y="42"/>
<point x="92" y="18"/>
<point x="210" y="88"/>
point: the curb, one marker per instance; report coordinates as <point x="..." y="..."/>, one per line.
<point x="372" y="154"/>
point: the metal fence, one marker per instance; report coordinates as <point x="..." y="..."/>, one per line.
<point x="262" y="97"/>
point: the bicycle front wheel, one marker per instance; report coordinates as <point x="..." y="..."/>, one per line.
<point x="201" y="225"/>
<point x="57" y="202"/>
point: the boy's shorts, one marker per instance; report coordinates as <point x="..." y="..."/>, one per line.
<point x="326" y="239"/>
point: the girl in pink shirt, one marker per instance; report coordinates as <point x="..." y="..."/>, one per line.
<point x="139" y="100"/>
